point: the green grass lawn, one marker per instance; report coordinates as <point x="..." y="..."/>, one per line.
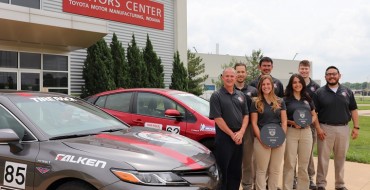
<point x="367" y="107"/>
<point x="359" y="149"/>
<point x="362" y="99"/>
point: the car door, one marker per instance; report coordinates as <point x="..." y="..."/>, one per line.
<point x="17" y="159"/>
<point x="117" y="104"/>
<point x="150" y="109"/>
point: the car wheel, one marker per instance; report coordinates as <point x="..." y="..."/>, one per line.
<point x="75" y="185"/>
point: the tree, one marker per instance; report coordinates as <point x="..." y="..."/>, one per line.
<point x="154" y="66"/>
<point x="137" y="68"/>
<point x="218" y="82"/>
<point x="120" y="72"/>
<point x="97" y="70"/>
<point x="179" y="78"/>
<point x="252" y="65"/>
<point x="195" y="69"/>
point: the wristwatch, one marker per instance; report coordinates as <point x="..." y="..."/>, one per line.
<point x="356" y="127"/>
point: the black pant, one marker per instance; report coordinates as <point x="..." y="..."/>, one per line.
<point x="229" y="160"/>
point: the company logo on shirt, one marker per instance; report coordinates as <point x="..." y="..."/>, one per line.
<point x="344" y="94"/>
<point x="313" y="89"/>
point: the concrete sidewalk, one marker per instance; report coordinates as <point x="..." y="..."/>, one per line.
<point x="356" y="176"/>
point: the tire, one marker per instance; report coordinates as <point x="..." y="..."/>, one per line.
<point x="75" y="185"/>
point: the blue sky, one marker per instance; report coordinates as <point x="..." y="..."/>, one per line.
<point x="325" y="32"/>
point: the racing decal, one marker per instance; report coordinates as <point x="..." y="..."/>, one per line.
<point x="42" y="170"/>
<point x="53" y="99"/>
<point x="160" y="137"/>
<point x="81" y="160"/>
<point x="188" y="161"/>
<point x="173" y="129"/>
<point x="153" y="125"/>
<point x="206" y="128"/>
<point x="15" y="175"/>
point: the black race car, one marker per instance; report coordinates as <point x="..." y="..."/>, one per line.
<point x="51" y="141"/>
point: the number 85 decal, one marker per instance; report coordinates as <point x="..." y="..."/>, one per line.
<point x="15" y="175"/>
<point x="173" y="129"/>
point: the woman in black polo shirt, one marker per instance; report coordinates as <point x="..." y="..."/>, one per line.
<point x="267" y="108"/>
<point x="298" y="138"/>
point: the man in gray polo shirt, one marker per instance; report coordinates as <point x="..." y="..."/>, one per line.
<point x="336" y="106"/>
<point x="229" y="109"/>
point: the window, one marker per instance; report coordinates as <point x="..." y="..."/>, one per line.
<point x="8" y="80"/>
<point x="30" y="81"/>
<point x="8" y="59"/>
<point x="30" y="60"/>
<point x="7" y="121"/>
<point x="55" y="62"/>
<point x="101" y="101"/>
<point x="155" y="105"/>
<point x="55" y="79"/>
<point x="119" y="102"/>
<point x="27" y="3"/>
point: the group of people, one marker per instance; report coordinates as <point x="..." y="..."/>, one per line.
<point x="241" y="110"/>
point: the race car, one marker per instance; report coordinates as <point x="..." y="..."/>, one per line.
<point x="51" y="141"/>
<point x="170" y="110"/>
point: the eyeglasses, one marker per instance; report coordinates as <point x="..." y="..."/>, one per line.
<point x="331" y="74"/>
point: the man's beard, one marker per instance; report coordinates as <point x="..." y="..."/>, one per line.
<point x="333" y="83"/>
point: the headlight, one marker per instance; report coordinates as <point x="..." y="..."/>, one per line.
<point x="150" y="178"/>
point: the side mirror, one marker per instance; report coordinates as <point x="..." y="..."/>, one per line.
<point x="8" y="135"/>
<point x="172" y="113"/>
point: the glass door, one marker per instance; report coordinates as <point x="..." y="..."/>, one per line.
<point x="30" y="81"/>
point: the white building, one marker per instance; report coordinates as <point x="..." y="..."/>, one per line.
<point x="282" y="69"/>
<point x="43" y="42"/>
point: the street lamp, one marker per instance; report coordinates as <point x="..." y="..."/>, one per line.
<point x="295" y="56"/>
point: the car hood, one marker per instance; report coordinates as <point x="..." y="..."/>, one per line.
<point x="146" y="149"/>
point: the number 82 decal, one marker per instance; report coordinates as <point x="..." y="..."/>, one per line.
<point x="173" y="129"/>
<point x="15" y="175"/>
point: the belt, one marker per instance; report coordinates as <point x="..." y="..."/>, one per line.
<point x="292" y="126"/>
<point x="335" y="124"/>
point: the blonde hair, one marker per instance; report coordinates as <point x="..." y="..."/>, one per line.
<point x="259" y="100"/>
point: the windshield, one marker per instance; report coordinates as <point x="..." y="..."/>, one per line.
<point x="200" y="105"/>
<point x="62" y="115"/>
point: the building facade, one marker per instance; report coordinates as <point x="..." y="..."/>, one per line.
<point x="43" y="42"/>
<point x="282" y="70"/>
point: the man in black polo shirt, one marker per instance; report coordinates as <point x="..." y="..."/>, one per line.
<point x="336" y="106"/>
<point x="249" y="91"/>
<point x="229" y="109"/>
<point x="266" y="66"/>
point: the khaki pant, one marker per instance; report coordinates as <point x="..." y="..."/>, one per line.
<point x="311" y="165"/>
<point x="268" y="162"/>
<point x="298" y="142"/>
<point x="337" y="139"/>
<point x="248" y="173"/>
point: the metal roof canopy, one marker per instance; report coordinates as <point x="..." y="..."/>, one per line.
<point x="22" y="26"/>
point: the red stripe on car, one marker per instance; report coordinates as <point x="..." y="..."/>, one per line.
<point x="188" y="161"/>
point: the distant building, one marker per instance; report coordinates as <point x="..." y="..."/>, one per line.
<point x="282" y="70"/>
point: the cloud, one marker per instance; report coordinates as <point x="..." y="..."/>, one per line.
<point x="327" y="32"/>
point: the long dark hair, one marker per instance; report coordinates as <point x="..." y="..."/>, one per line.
<point x="289" y="88"/>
